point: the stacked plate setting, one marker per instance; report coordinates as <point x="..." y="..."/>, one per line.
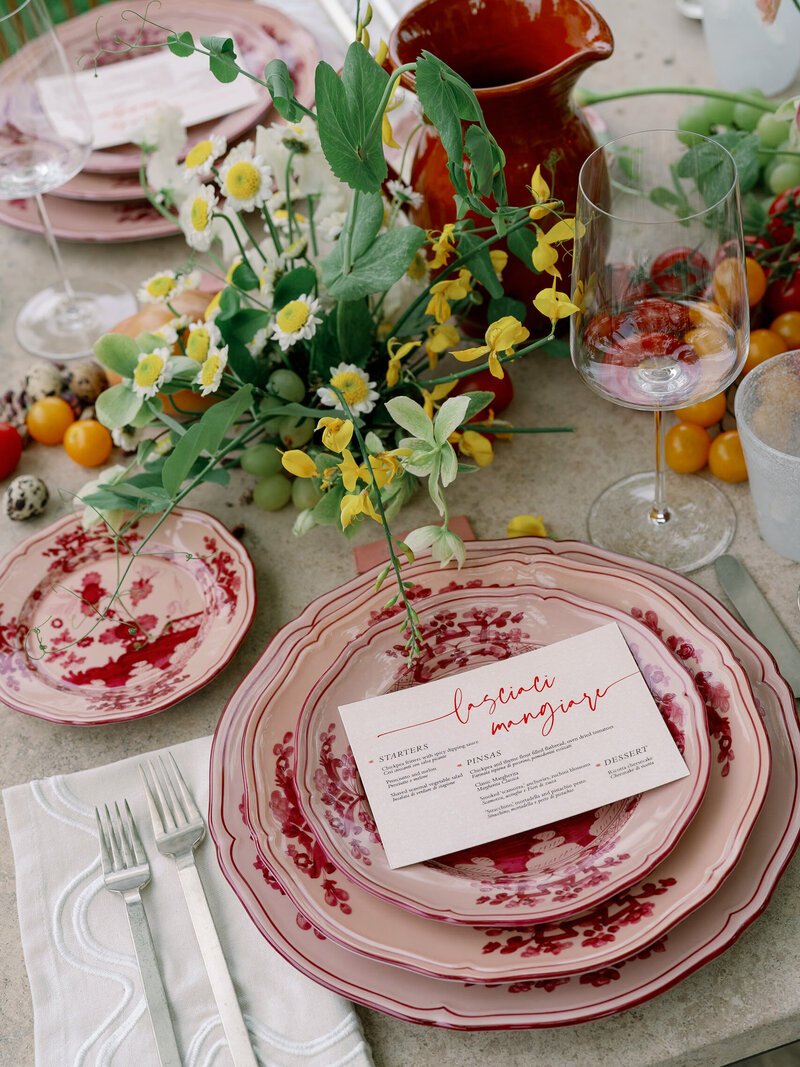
<point x="105" y="202"/>
<point x="567" y="923"/>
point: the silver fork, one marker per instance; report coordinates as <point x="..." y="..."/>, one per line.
<point x="126" y="871"/>
<point x="179" y="828"/>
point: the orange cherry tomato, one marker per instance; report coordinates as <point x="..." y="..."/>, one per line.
<point x="707" y="412"/>
<point x="48" y="419"/>
<point x="764" y="344"/>
<point x="756" y="281"/>
<point x="726" y="458"/>
<point x="788" y="326"/>
<point x="686" y="447"/>
<point x="729" y="285"/>
<point x="88" y="442"/>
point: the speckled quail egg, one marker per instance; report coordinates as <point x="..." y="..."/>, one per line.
<point x="43" y="380"/>
<point x="25" y="497"/>
<point x="86" y="380"/>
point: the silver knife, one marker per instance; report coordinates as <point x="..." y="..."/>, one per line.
<point x="760" y="617"/>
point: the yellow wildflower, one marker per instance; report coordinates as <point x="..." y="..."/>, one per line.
<point x="446" y="290"/>
<point x="432" y="397"/>
<point x="554" y="305"/>
<point x="476" y="446"/>
<point x="499" y="258"/>
<point x="442" y="246"/>
<point x="544" y="256"/>
<point x="352" y="506"/>
<point x="395" y="355"/>
<point x="299" y="463"/>
<point x="541" y="195"/>
<point x="336" y="433"/>
<point x="526" y="526"/>
<point x="440" y="338"/>
<point x="501" y="337"/>
<point x="351" y="471"/>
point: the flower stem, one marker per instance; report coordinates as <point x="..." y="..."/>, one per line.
<point x="589" y="96"/>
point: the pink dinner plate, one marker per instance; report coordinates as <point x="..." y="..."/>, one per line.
<point x="548" y="873"/>
<point x="99" y="188"/>
<point x="71" y="654"/>
<point x="626" y="923"/>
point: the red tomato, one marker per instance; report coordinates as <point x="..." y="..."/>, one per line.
<point x="10" y="448"/>
<point x="483" y="381"/>
<point x="656" y="315"/>
<point x="622" y="284"/>
<point x="783" y="294"/>
<point x="783" y="212"/>
<point x="680" y="270"/>
<point x="600" y="330"/>
<point x="630" y="351"/>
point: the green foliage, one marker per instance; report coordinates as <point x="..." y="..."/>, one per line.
<point x="204" y="436"/>
<point x="279" y="82"/>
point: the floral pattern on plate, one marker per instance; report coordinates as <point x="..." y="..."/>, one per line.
<point x="89" y="634"/>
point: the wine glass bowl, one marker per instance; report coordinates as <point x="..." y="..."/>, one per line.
<point x="660" y="281"/>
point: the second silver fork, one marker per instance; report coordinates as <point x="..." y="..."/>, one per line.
<point x="179" y="827"/>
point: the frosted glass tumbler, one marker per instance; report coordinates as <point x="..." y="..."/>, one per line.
<point x="745" y="52"/>
<point x="767" y="410"/>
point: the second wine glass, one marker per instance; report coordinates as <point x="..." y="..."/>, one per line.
<point x="659" y="277"/>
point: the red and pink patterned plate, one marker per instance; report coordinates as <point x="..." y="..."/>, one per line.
<point x="597" y="992"/>
<point x="71" y="654"/>
<point x="546" y="874"/>
<point x="620" y="926"/>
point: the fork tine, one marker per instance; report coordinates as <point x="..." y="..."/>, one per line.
<point x="188" y="800"/>
<point x="176" y="809"/>
<point x="105" y="855"/>
<point x="124" y="838"/>
<point x="167" y="816"/>
<point x="146" y="774"/>
<point x="113" y="841"/>
<point x="139" y="854"/>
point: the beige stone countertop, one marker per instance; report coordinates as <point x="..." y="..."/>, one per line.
<point x="748" y="999"/>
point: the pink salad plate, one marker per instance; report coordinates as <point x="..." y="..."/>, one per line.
<point x="70" y="655"/>
<point x="621" y="926"/>
<point x="549" y="873"/>
<point x="597" y="992"/>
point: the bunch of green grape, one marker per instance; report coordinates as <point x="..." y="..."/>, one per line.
<point x="778" y="162"/>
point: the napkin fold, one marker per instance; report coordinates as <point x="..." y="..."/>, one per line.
<point x="88" y="1003"/>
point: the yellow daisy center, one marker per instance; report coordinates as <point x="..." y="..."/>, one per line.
<point x="199" y="213"/>
<point x="293" y="316"/>
<point x="243" y="180"/>
<point x="198" y="344"/>
<point x="161" y="286"/>
<point x="199" y="154"/>
<point x="148" y="370"/>
<point x="209" y="370"/>
<point x="352" y="387"/>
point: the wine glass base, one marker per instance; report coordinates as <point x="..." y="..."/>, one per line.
<point x="700" y="526"/>
<point x="52" y="326"/>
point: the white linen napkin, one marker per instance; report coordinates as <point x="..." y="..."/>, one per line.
<point x="88" y="1003"/>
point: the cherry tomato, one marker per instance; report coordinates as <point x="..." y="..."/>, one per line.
<point x="10" y="448"/>
<point x="600" y="329"/>
<point x="88" y="442"/>
<point x="726" y="458"/>
<point x="686" y="447"/>
<point x="756" y="281"/>
<point x="656" y="314"/>
<point x="483" y="381"/>
<point x="782" y="213"/>
<point x="630" y="351"/>
<point x="623" y="283"/>
<point x="48" y="419"/>
<point x="706" y="413"/>
<point x="783" y="294"/>
<point x="788" y="326"/>
<point x="729" y="285"/>
<point x="679" y="270"/>
<point x="764" y="344"/>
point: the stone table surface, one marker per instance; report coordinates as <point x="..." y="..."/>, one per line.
<point x="745" y="1001"/>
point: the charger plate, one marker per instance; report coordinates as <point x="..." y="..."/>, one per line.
<point x="596" y="993"/>
<point x="70" y="655"/>
<point x="550" y="873"/>
<point x="611" y="931"/>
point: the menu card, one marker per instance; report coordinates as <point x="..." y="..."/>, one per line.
<point x="509" y="746"/>
<point x="121" y="96"/>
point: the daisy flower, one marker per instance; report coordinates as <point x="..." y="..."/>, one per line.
<point x="165" y="285"/>
<point x="197" y="216"/>
<point x="245" y="179"/>
<point x="151" y="372"/>
<point x="296" y="321"/>
<point x="398" y="190"/>
<point x="201" y="340"/>
<point x="210" y="374"/>
<point x="355" y="387"/>
<point x="201" y="158"/>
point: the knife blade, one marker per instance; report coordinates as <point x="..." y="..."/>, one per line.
<point x="760" y="617"/>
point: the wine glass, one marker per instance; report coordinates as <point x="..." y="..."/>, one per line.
<point x="659" y="277"/>
<point x="45" y="139"/>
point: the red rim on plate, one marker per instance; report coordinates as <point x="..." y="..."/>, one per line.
<point x="595" y="994"/>
<point x="69" y="655"/>
<point x="548" y="873"/>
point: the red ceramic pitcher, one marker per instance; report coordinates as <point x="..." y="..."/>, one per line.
<point x="522" y="58"/>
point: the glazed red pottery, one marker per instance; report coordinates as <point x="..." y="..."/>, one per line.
<point x="522" y="58"/>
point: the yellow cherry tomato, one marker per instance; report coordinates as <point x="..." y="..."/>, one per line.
<point x="764" y="344"/>
<point x="88" y="442"/>
<point x="707" y="412"/>
<point x="729" y="285"/>
<point x="726" y="458"/>
<point x="686" y="447"/>
<point x="787" y="326"/>
<point x="48" y="419"/>
<point x="756" y="281"/>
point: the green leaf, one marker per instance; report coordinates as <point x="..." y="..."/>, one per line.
<point x="476" y="254"/>
<point x="244" y="277"/>
<point x="411" y="416"/>
<point x="477" y="402"/>
<point x="181" y="44"/>
<point x="348" y="114"/>
<point x="449" y="416"/>
<point x="369" y="211"/>
<point x="327" y="510"/>
<point x="479" y="149"/>
<point x="118" y="352"/>
<point x="222" y="62"/>
<point x="506" y="305"/>
<point x="117" y="406"/>
<point x="298" y="282"/>
<point x="205" y="435"/>
<point x="354" y="328"/>
<point x="744" y="147"/>
<point x="521" y="244"/>
<point x="446" y="99"/>
<point x="379" y="268"/>
<point x="281" y="88"/>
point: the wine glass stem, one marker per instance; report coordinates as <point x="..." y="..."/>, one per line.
<point x="52" y="244"/>
<point x="659" y="512"/>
